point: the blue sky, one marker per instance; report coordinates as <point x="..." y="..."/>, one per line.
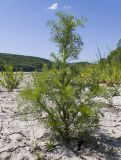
<point x="23" y="25"/>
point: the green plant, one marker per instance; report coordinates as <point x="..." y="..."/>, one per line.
<point x="50" y="145"/>
<point x="38" y="155"/>
<point x="37" y="150"/>
<point x="59" y="94"/>
<point x="10" y="79"/>
<point x="109" y="73"/>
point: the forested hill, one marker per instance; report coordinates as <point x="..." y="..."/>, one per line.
<point x="114" y="56"/>
<point x="26" y="63"/>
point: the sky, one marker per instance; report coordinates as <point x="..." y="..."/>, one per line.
<point x="24" y="30"/>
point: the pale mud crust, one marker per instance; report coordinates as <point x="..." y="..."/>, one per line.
<point x="17" y="134"/>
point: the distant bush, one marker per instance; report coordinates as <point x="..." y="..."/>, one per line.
<point x="110" y="73"/>
<point x="10" y="79"/>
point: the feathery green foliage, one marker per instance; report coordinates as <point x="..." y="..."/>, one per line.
<point x="10" y="79"/>
<point x="60" y="97"/>
<point x="65" y="36"/>
<point x="109" y="73"/>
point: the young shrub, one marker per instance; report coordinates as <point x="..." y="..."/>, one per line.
<point x="10" y="79"/>
<point x="37" y="152"/>
<point x="59" y="94"/>
<point x="50" y="145"/>
<point x="67" y="110"/>
<point x="38" y="155"/>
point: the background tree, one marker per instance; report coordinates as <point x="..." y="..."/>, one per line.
<point x="119" y="43"/>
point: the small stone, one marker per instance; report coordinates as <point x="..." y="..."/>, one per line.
<point x="27" y="148"/>
<point x="22" y="157"/>
<point x="8" y="140"/>
<point x="19" y="138"/>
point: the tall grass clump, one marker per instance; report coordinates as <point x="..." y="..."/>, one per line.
<point x="60" y="97"/>
<point x="10" y="79"/>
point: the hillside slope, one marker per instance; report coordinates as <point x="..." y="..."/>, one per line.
<point x="115" y="55"/>
<point x="27" y="63"/>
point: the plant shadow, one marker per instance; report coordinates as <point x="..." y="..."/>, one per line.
<point x="103" y="146"/>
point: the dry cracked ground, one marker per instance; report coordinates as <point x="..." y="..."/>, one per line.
<point x="17" y="135"/>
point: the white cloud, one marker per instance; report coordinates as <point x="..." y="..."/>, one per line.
<point x="54" y="6"/>
<point x="67" y="7"/>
